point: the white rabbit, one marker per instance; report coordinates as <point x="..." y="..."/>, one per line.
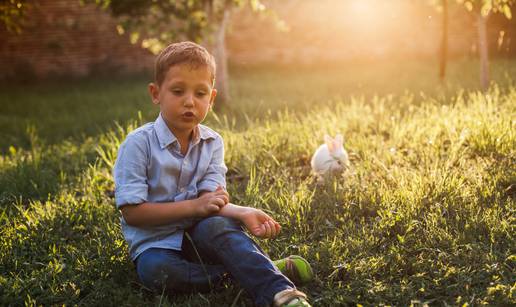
<point x="330" y="158"/>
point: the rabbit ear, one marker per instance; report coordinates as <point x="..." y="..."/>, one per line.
<point x="335" y="146"/>
<point x="327" y="138"/>
<point x="329" y="142"/>
<point x="339" y="139"/>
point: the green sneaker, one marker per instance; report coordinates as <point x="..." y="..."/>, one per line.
<point x="291" y="298"/>
<point x="296" y="268"/>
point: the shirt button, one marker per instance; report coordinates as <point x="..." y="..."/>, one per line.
<point x="181" y="190"/>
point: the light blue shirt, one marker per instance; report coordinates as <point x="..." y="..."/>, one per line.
<point x="150" y="168"/>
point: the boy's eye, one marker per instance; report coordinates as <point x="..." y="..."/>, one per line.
<point x="201" y="94"/>
<point x="177" y="91"/>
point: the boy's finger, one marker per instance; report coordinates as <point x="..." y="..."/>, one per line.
<point x="220" y="192"/>
<point x="257" y="231"/>
<point x="213" y="208"/>
<point x="219" y="202"/>
<point x="268" y="230"/>
<point x="263" y="231"/>
<point x="278" y="227"/>
<point x="224" y="198"/>
<point x="274" y="231"/>
<point x="223" y="193"/>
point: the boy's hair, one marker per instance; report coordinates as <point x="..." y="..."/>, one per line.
<point x="183" y="53"/>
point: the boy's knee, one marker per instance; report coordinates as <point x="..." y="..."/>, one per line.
<point x="154" y="270"/>
<point x="214" y="226"/>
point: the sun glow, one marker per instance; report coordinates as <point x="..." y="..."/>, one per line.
<point x="371" y="23"/>
<point x="343" y="29"/>
<point x="365" y="13"/>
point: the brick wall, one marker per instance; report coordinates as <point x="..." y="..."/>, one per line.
<point x="62" y="37"/>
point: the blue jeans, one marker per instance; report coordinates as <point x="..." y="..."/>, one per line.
<point x="222" y="246"/>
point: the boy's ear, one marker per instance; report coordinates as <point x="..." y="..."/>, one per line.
<point x="154" y="92"/>
<point x="212" y="98"/>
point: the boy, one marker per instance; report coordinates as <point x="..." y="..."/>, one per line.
<point x="182" y="232"/>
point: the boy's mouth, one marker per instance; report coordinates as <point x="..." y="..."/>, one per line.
<point x="188" y="114"/>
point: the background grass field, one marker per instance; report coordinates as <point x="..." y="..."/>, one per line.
<point x="427" y="214"/>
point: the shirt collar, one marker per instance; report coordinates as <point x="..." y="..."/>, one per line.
<point x="204" y="133"/>
<point x="166" y="137"/>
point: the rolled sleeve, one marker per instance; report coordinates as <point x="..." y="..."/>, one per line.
<point x="130" y="172"/>
<point x="216" y="173"/>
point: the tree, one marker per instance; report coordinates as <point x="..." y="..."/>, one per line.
<point x="482" y="10"/>
<point x="444" y="41"/>
<point x="156" y="23"/>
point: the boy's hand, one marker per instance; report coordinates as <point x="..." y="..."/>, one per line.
<point x="212" y="202"/>
<point x="260" y="224"/>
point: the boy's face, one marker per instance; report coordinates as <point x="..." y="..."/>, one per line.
<point x="185" y="96"/>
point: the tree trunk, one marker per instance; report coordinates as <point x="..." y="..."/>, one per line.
<point x="483" y="51"/>
<point x="444" y="42"/>
<point x="219" y="52"/>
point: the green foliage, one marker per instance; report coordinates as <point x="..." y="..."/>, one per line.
<point x="12" y="14"/>
<point x="425" y="216"/>
<point x="157" y="23"/>
<point x="485" y="7"/>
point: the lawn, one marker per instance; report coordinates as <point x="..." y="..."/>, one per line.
<point x="427" y="214"/>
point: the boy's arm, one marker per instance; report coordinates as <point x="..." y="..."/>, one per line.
<point x="155" y="214"/>
<point x="215" y="175"/>
<point x="259" y="223"/>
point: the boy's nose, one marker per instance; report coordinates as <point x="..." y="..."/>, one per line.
<point x="188" y="102"/>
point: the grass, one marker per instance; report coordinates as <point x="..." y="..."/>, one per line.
<point x="427" y="214"/>
<point x="79" y="108"/>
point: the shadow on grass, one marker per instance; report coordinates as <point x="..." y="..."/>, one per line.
<point x="37" y="173"/>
